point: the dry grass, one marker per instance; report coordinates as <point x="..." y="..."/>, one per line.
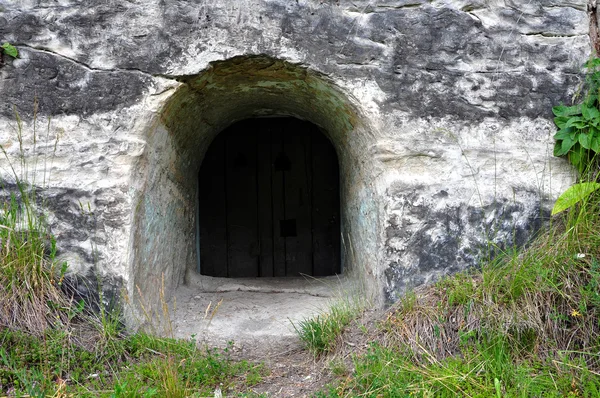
<point x="35" y="296"/>
<point x="31" y="298"/>
<point x="545" y="299"/>
<point x="526" y="324"/>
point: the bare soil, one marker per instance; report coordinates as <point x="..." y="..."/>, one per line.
<point x="299" y="374"/>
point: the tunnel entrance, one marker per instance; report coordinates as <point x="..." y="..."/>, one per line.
<point x="269" y="201"/>
<point x="285" y="206"/>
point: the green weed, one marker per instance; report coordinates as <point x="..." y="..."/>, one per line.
<point x="320" y="333"/>
<point x="139" y="365"/>
<point x="9" y="49"/>
<point x="578" y="137"/>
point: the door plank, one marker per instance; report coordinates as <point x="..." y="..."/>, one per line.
<point x="298" y="199"/>
<point x="265" y="197"/>
<point x="242" y="209"/>
<point x="278" y="195"/>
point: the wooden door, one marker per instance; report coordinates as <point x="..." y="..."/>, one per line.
<point x="269" y="201"/>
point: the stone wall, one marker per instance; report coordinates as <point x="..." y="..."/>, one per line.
<point x="440" y="112"/>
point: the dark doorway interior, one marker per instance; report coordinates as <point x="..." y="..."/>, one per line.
<point x="269" y="201"/>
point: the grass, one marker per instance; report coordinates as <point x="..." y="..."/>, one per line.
<point x="527" y="324"/>
<point x="31" y="296"/>
<point x="387" y="372"/>
<point x="138" y="365"/>
<point x="320" y="334"/>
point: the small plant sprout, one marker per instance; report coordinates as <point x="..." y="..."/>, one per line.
<point x="10" y="50"/>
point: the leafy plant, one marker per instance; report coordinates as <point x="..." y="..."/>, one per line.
<point x="11" y="50"/>
<point x="578" y="136"/>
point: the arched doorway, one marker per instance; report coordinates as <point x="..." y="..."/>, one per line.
<point x="269" y="202"/>
<point x="165" y="239"/>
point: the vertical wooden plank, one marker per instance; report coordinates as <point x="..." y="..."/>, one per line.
<point x="212" y="210"/>
<point x="326" y="206"/>
<point x="242" y="209"/>
<point x="265" y="207"/>
<point x="298" y="199"/>
<point x="278" y="194"/>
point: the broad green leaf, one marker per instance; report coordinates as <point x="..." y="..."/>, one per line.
<point x="589" y="112"/>
<point x="557" y="148"/>
<point x="576" y="121"/>
<point x="595" y="143"/>
<point x="575" y="156"/>
<point x="584" y="140"/>
<point x="564" y="133"/>
<point x="565" y="146"/>
<point x="585" y="110"/>
<point x="591" y="99"/>
<point x="574" y="195"/>
<point x="10" y="50"/>
<point x="562" y="110"/>
<point x="560" y="121"/>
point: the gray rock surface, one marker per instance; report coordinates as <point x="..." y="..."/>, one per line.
<point x="440" y="112"/>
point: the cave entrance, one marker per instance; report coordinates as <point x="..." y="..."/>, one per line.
<point x="269" y="201"/>
<point x="183" y="229"/>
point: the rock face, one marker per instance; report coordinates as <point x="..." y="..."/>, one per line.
<point x="440" y="112"/>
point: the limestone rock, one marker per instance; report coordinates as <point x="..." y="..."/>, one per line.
<point x="440" y="112"/>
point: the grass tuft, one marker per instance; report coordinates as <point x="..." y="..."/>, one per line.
<point x="320" y="334"/>
<point x="31" y="297"/>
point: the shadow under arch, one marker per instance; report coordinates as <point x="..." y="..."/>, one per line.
<point x="164" y="231"/>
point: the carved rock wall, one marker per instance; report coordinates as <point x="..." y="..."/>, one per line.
<point x="447" y="146"/>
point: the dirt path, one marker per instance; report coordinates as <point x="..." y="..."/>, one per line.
<point x="298" y="373"/>
<point x="258" y="316"/>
